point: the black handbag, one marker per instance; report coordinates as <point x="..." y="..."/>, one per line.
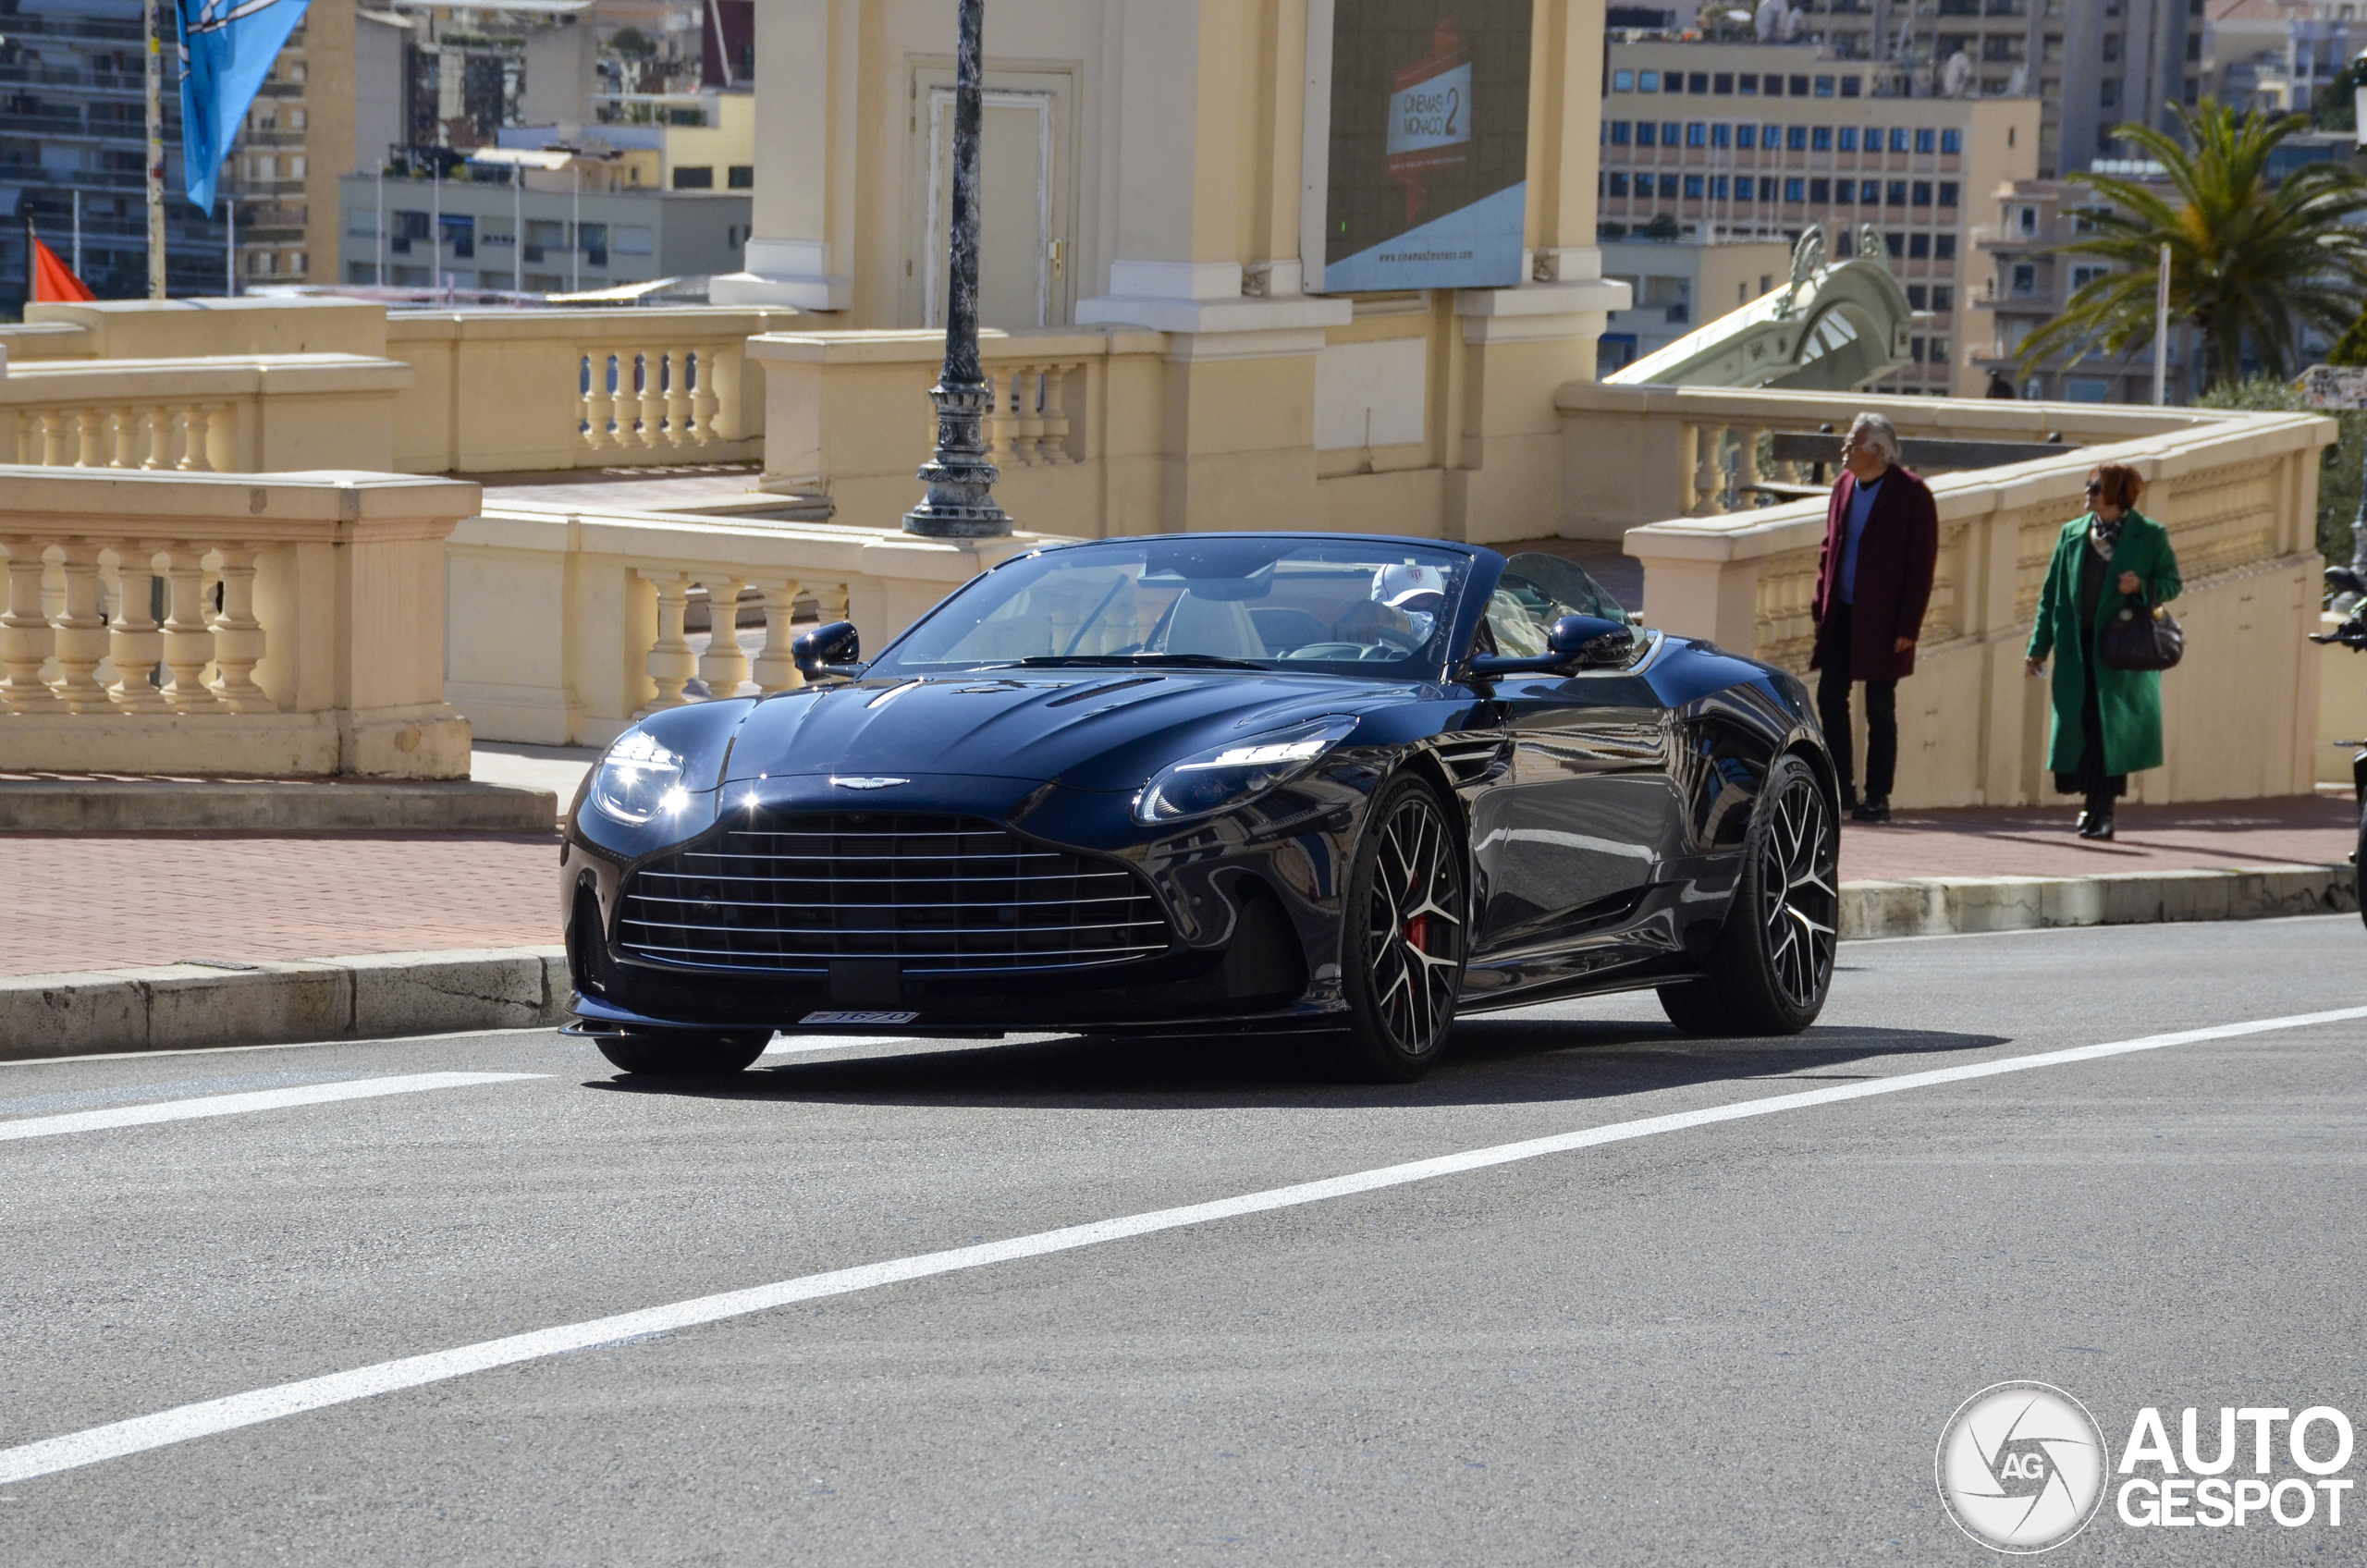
<point x="2141" y="635"/>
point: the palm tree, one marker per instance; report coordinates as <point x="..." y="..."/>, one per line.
<point x="2250" y="265"/>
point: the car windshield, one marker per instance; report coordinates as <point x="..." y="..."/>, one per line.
<point x="1354" y="606"/>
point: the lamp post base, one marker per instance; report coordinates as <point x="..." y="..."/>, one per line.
<point x="960" y="478"/>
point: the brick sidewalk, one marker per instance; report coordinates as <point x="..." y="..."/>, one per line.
<point x="103" y="904"/>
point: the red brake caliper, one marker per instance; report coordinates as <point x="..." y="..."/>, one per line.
<point x="1417" y="931"/>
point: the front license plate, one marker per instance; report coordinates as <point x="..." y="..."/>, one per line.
<point x="865" y="1018"/>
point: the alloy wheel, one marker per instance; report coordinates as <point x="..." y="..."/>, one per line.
<point x="1799" y="891"/>
<point x="1414" y="925"/>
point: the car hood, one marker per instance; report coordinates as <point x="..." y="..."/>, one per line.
<point x="1088" y="729"/>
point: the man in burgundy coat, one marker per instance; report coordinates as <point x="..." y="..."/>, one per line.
<point x="1873" y="581"/>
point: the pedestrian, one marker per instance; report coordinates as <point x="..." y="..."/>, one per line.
<point x="1873" y="582"/>
<point x="2107" y="723"/>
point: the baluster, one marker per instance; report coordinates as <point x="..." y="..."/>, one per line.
<point x="653" y="399"/>
<point x="592" y="374"/>
<point x="704" y="403"/>
<point x="1054" y="448"/>
<point x="829" y="601"/>
<point x="723" y="666"/>
<point x="52" y="438"/>
<point x="1708" y="476"/>
<point x="157" y="424"/>
<point x="81" y="632"/>
<point x="671" y="664"/>
<point x="26" y="640"/>
<point x="90" y="438"/>
<point x="188" y="635"/>
<point x="1027" y="418"/>
<point x="238" y="638"/>
<point x="1749" y="473"/>
<point x="134" y="643"/>
<point x="678" y="400"/>
<point x="124" y="426"/>
<point x="776" y="666"/>
<point x="192" y="421"/>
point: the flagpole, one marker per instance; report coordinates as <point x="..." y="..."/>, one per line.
<point x="517" y="229"/>
<point x="575" y="231"/>
<point x="436" y="224"/>
<point x="78" y="234"/>
<point x="155" y="63"/>
<point x="230" y="247"/>
<point x="382" y="223"/>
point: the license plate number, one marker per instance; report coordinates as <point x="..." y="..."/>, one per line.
<point x="858" y="1018"/>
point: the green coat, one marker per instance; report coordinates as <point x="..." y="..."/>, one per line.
<point x="2130" y="700"/>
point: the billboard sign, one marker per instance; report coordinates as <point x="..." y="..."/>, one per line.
<point x="1416" y="165"/>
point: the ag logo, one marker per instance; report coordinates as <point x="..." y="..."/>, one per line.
<point x="2021" y="1467"/>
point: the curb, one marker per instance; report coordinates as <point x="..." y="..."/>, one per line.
<point x="191" y="1007"/>
<point x="378" y="996"/>
<point x="1953" y="906"/>
<point x="162" y="805"/>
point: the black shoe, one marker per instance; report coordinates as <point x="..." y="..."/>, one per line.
<point x="2096" y="825"/>
<point x="1875" y="809"/>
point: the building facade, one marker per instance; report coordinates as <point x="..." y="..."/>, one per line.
<point x="1677" y="285"/>
<point x="464" y="235"/>
<point x="1757" y="141"/>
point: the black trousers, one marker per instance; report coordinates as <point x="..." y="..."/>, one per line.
<point x="1832" y="708"/>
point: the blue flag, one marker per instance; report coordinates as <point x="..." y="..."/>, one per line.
<point x="226" y="49"/>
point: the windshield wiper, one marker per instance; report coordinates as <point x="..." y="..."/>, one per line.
<point x="1196" y="661"/>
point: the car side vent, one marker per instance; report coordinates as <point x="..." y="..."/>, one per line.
<point x="1470" y="761"/>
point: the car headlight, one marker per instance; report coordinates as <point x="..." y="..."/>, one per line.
<point x="1237" y="772"/>
<point x="639" y="778"/>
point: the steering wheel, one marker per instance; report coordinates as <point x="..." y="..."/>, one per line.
<point x="1402" y="643"/>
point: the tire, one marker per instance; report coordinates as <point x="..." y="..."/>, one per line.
<point x="1404" y="934"/>
<point x="682" y="1056"/>
<point x="1772" y="966"/>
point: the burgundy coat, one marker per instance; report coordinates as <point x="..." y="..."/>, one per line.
<point x="1896" y="559"/>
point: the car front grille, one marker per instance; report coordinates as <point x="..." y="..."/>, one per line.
<point x="942" y="895"/>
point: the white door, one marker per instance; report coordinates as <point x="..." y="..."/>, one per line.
<point x="1017" y="250"/>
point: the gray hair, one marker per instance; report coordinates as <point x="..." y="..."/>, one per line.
<point x="1873" y="430"/>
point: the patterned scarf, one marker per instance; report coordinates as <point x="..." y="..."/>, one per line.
<point x="2102" y="535"/>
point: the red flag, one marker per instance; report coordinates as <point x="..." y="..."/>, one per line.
<point x="54" y="281"/>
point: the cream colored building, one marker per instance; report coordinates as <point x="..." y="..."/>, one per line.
<point x="1143" y="168"/>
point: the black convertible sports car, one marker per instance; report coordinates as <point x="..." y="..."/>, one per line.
<point x="1207" y="782"/>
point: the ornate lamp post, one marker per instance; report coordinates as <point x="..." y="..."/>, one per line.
<point x="961" y="502"/>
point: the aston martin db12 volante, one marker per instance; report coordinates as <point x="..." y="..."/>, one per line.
<point x="1339" y="784"/>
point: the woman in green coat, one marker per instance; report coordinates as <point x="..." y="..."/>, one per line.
<point x="2107" y="723"/>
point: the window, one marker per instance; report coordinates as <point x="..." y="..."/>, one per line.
<point x="1870" y="192"/>
<point x="1923" y="193"/>
<point x="1770" y="137"/>
<point x="701" y="178"/>
<point x="295" y="119"/>
<point x="1668" y="133"/>
<point x="1918" y="246"/>
<point x="594" y="239"/>
<point x="1916" y="350"/>
<point x="1621" y="134"/>
<point x="1849" y="87"/>
<point x="1848" y="138"/>
<point x="1942" y="297"/>
<point x="1668" y="186"/>
<point x="1948" y="193"/>
<point x="1820" y="191"/>
<point x="1697" y="134"/>
<point x="1775" y="84"/>
<point x="1939" y="350"/>
<point x="636" y="240"/>
<point x="1748" y="83"/>
<point x="1693" y="187"/>
<point x="1917" y="297"/>
<point x="1825" y="87"/>
<point x="296" y="167"/>
<point x="1746" y="137"/>
<point x="1722" y="136"/>
<point x="1951" y="141"/>
<point x="1897" y="194"/>
<point x="1898" y="139"/>
<point x="2025" y="279"/>
<point x="1644" y="132"/>
<point x="1622" y="81"/>
<point x="1618" y="184"/>
<point x="2086" y="390"/>
<point x="1795" y="137"/>
<point x="1699" y="82"/>
<point x="1820" y="138"/>
<point x="1897" y="244"/>
<point x="460" y="233"/>
<point x="2112" y="47"/>
<point x="1943" y="249"/>
<point x="1718" y="187"/>
<point x="1795" y="190"/>
<point x="2083" y="273"/>
<point x="1926" y="139"/>
<point x="1647" y="82"/>
<point x="1722" y="83"/>
<point x="1742" y="184"/>
<point x="1799" y="87"/>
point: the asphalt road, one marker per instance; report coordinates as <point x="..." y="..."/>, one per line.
<point x="1718" y="1341"/>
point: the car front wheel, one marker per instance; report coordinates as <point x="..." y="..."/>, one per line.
<point x="1406" y="934"/>
<point x="683" y="1056"/>
<point x="1772" y="966"/>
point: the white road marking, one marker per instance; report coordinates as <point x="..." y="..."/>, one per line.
<point x="282" y="1046"/>
<point x="239" y="1104"/>
<point x="210" y="1417"/>
<point x="786" y="1044"/>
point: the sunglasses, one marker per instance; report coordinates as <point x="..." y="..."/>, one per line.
<point x="2094" y="488"/>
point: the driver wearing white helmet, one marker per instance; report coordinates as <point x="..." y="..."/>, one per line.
<point x="1404" y="599"/>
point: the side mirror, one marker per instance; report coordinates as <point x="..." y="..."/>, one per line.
<point x="829" y="650"/>
<point x="1576" y="642"/>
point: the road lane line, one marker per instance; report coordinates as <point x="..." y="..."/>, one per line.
<point x="211" y="1417"/>
<point x="239" y="1104"/>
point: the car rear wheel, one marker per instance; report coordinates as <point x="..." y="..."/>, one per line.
<point x="1772" y="966"/>
<point x="684" y="1055"/>
<point x="1406" y="935"/>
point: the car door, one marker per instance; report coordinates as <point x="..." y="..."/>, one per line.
<point x="1581" y="825"/>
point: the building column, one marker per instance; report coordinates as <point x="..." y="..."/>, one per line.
<point x="802" y="215"/>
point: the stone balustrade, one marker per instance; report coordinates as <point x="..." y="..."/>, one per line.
<point x="2238" y="495"/>
<point x="185" y="622"/>
<point x="1639" y="454"/>
<point x="1076" y="426"/>
<point x="567" y="626"/>
<point x="241" y="413"/>
<point x="501" y="391"/>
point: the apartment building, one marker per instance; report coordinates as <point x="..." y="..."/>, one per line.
<point x="1757" y="141"/>
<point x="1674" y="286"/>
<point x="2025" y="284"/>
<point x="464" y="234"/>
